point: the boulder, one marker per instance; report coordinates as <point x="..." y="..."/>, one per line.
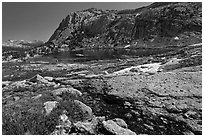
<point x="49" y="106"/>
<point x="85" y="127"/>
<point x="38" y="78"/>
<point x="85" y="111"/>
<point x="120" y="122"/>
<point x="89" y="127"/>
<point x="49" y="78"/>
<point x="37" y="97"/>
<point x="172" y="64"/>
<point x="115" y="129"/>
<point x="16" y="98"/>
<point x="67" y="93"/>
<point x="64" y="126"/>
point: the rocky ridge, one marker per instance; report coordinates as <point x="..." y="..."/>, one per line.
<point x="153" y="25"/>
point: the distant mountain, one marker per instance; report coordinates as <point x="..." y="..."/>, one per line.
<point x="12" y="49"/>
<point x="22" y="43"/>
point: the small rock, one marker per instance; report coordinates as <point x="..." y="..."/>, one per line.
<point x="64" y="123"/>
<point x="49" y="78"/>
<point x="38" y="78"/>
<point x="128" y="115"/>
<point x="182" y="107"/>
<point x="135" y="113"/>
<point x="49" y="106"/>
<point x="127" y="104"/>
<point x="100" y="119"/>
<point x="60" y="78"/>
<point x="82" y="75"/>
<point x="188" y="132"/>
<point x="120" y="122"/>
<point x="164" y="120"/>
<point x="139" y="119"/>
<point x="134" y="70"/>
<point x="93" y="76"/>
<point x="37" y="97"/>
<point x="64" y="126"/>
<point x="60" y="65"/>
<point x="63" y="117"/>
<point x="16" y="98"/>
<point x="5" y="83"/>
<point x="27" y="133"/>
<point x="56" y="85"/>
<point x="191" y="114"/>
<point x="115" y="129"/>
<point x="173" y="109"/>
<point x="151" y="72"/>
<point x="105" y="72"/>
<point x="149" y="127"/>
<point x="59" y="131"/>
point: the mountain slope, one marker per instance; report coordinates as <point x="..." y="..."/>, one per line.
<point x="146" y="25"/>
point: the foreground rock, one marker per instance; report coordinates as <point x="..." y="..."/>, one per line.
<point x="115" y="129"/>
<point x="67" y="93"/>
<point x="49" y="106"/>
<point x="172" y="94"/>
<point x="86" y="111"/>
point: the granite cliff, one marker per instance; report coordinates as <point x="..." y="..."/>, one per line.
<point x="154" y="25"/>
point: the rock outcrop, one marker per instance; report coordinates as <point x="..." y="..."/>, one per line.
<point x="158" y="23"/>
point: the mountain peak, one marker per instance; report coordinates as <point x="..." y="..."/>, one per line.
<point x="160" y="19"/>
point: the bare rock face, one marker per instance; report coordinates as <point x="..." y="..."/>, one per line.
<point x="173" y="95"/>
<point x="158" y="21"/>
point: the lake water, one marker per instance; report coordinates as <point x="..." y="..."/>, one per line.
<point x="104" y="54"/>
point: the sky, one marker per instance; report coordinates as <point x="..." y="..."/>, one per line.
<point x="39" y="20"/>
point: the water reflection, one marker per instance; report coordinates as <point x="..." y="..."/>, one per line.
<point x="110" y="53"/>
<point x="104" y="54"/>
